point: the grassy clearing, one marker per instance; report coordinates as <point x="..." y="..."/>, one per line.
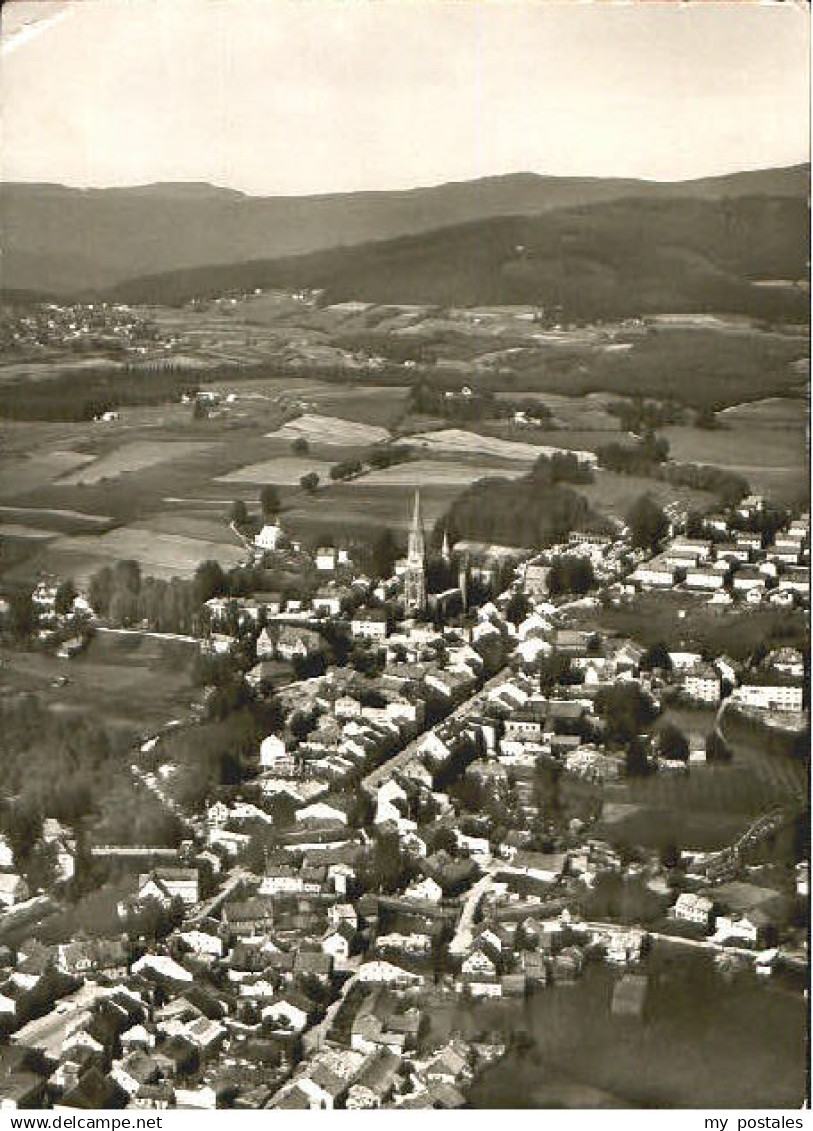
<point x="614" y="494"/>
<point x="652" y="617"/>
<point x="765" y="442"/>
<point x="698" y="1032"/>
<point x="129" y="683"/>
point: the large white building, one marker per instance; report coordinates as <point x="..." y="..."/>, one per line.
<point x="692" y="908"/>
<point x="268" y="538"/>
<point x="702" y="685"/>
<point x="769" y="696"/>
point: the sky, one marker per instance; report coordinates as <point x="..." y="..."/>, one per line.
<point x="310" y="96"/>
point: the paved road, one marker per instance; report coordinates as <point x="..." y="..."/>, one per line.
<point x="210" y="906"/>
<point x="385" y="771"/>
<point x="146" y="632"/>
<point x="314" y="1038"/>
<point x="465" y="925"/>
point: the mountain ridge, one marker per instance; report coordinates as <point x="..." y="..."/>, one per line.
<point x="108" y="236"/>
<point x="624" y="257"/>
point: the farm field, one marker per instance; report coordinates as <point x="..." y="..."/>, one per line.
<point x="160" y="555"/>
<point x="420" y="472"/>
<point x="354" y="509"/>
<point x="586" y="413"/>
<point x="764" y="441"/>
<point x="130" y="683"/>
<point x="613" y="494"/>
<point x="330" y="430"/>
<point x="579" y="438"/>
<point x="284" y="471"/>
<point x="65" y="521"/>
<point x="459" y="441"/>
<point x="133" y="457"/>
<point x="377" y="406"/>
<point x="16" y="530"/>
<point x="33" y="471"/>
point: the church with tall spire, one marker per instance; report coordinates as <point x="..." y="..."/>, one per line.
<point x="415" y="575"/>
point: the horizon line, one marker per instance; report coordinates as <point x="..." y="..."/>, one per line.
<point x="804" y="163"/>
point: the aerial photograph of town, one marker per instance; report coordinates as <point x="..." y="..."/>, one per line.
<point x="404" y="556"/>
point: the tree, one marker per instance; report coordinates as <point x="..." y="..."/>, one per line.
<point x="41" y="868"/>
<point x="570" y="575"/>
<point x="309" y="482"/>
<point x="23" y="828"/>
<point x="301" y="724"/>
<point x="695" y="525"/>
<point x="238" y="513"/>
<point x="706" y="417"/>
<point x="517" y="608"/>
<point x="384" y="553"/>
<point x="637" y="760"/>
<point x="210" y="581"/>
<point x="65" y="596"/>
<point x="387" y="868"/>
<point x="626" y="711"/>
<point x="656" y="656"/>
<point x="127" y="575"/>
<point x="672" y="743"/>
<point x="22" y="615"/>
<point x="648" y="523"/>
<point x="269" y="501"/>
<point x="300" y="446"/>
<point x="717" y="749"/>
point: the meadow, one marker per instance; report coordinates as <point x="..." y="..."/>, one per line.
<point x="686" y="622"/>
<point x="38" y="470"/>
<point x="134" y="456"/>
<point x="359" y="510"/>
<point x="162" y="555"/>
<point x="698" y="1032"/>
<point x="613" y="494"/>
<point x="764" y="441"/>
<point x="132" y="684"/>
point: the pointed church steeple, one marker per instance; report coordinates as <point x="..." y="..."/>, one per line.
<point x="415" y="577"/>
<point x="445" y="552"/>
